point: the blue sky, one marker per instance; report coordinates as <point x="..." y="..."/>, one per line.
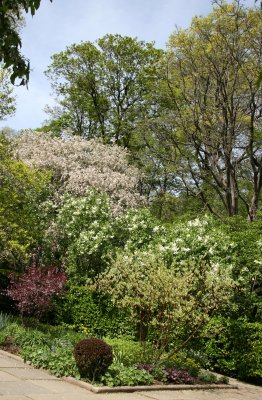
<point x="63" y="22"/>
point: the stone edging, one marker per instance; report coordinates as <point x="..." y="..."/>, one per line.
<point x="106" y="389"/>
<point x="130" y="389"/>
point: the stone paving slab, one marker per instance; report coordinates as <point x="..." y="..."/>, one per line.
<point x="6" y="377"/>
<point x="194" y="395"/>
<point x="7" y="362"/>
<point x="73" y="396"/>
<point x="13" y="397"/>
<point x="58" y="386"/>
<point x="21" y="387"/>
<point x="28" y="373"/>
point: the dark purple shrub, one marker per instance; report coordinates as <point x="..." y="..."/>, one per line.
<point x="93" y="357"/>
<point x="175" y="375"/>
<point x="34" y="290"/>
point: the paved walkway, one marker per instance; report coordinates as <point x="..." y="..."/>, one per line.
<point x="19" y="381"/>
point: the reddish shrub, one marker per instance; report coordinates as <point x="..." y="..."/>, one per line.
<point x="93" y="357"/>
<point x="34" y="290"/>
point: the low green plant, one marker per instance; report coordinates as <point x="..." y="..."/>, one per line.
<point x="128" y="352"/>
<point x="2" y="338"/>
<point x="207" y="377"/>
<point x="57" y="359"/>
<point x="45" y="347"/>
<point x="159" y="374"/>
<point x="5" y="320"/>
<point x="119" y="375"/>
<point x="181" y="361"/>
<point x="223" y="379"/>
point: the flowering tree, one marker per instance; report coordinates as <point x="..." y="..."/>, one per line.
<point x="79" y="165"/>
<point x="7" y="99"/>
<point x="35" y="289"/>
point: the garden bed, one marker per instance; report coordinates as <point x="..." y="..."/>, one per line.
<point x="129" y="389"/>
<point x="130" y="366"/>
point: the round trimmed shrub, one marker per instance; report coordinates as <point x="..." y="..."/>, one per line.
<point x="93" y="357"/>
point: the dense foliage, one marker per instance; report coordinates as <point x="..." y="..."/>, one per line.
<point x="10" y="41"/>
<point x="234" y="347"/>
<point x="135" y="216"/>
<point x="22" y="192"/>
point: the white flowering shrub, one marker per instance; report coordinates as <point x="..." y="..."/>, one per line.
<point x="198" y="239"/>
<point x="87" y="234"/>
<point x="137" y="229"/>
<point x="78" y="165"/>
<point x="84" y="232"/>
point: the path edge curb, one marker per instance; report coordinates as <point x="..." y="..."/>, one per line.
<point x="130" y="389"/>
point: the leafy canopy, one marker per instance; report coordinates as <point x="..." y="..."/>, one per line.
<point x="10" y="41"/>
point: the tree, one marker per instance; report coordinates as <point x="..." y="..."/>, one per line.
<point x="210" y="128"/>
<point x="102" y="87"/>
<point x="7" y="101"/>
<point x="79" y="165"/>
<point x="22" y="190"/>
<point x="10" y="41"/>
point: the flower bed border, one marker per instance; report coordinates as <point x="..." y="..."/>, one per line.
<point x="130" y="389"/>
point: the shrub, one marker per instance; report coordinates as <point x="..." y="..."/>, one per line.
<point x="234" y="347"/>
<point x="93" y="357"/>
<point x="34" y="290"/>
<point x="81" y="306"/>
<point x="165" y="301"/>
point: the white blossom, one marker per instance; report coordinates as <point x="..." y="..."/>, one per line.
<point x="78" y="165"/>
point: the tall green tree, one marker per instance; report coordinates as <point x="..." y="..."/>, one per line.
<point x="211" y="124"/>
<point x="22" y="191"/>
<point x="10" y="41"/>
<point x="102" y="87"/>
